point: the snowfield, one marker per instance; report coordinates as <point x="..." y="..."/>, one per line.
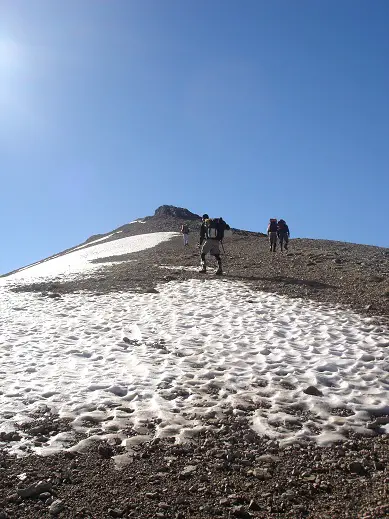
<point x="183" y="357"/>
<point x="80" y="261"/>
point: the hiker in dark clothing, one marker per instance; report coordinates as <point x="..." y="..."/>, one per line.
<point x="211" y="234"/>
<point x="283" y="233"/>
<point x="272" y="233"/>
<point x="185" y="233"/>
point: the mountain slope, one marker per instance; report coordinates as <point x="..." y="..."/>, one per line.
<point x="217" y="397"/>
<point x="349" y="274"/>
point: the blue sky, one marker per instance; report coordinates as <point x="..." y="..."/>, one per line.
<point x="247" y="109"/>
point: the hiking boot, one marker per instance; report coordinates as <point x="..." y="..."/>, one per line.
<point x="203" y="270"/>
<point x="219" y="272"/>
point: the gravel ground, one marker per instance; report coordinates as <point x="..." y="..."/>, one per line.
<point x="229" y="472"/>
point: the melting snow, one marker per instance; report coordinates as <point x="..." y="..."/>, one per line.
<point x="79" y="261"/>
<point x="96" y="241"/>
<point x="192" y="351"/>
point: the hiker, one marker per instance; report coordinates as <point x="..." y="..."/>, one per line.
<point x="185" y="233"/>
<point x="211" y="235"/>
<point x="283" y="233"/>
<point x="272" y="233"/>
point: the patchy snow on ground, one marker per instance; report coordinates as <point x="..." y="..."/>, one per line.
<point x="181" y="269"/>
<point x="95" y="241"/>
<point x="182" y="357"/>
<point x="80" y="261"/>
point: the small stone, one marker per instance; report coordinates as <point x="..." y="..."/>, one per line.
<point x="261" y="474"/>
<point x="187" y="472"/>
<point x="152" y="495"/>
<point x="250" y="437"/>
<point x="34" y="490"/>
<point x="288" y="495"/>
<point x="11" y="436"/>
<point x="118" y="390"/>
<point x="254" y="506"/>
<point x="115" y="512"/>
<point x="312" y="390"/>
<point x="42" y="439"/>
<point x="44" y="496"/>
<point x="56" y="507"/>
<point x="356" y="467"/>
<point x="379" y="465"/>
<point x="105" y="451"/>
<point x="239" y="511"/>
<point x="4" y="515"/>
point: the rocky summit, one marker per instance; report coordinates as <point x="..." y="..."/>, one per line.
<point x="223" y="469"/>
<point x="175" y="212"/>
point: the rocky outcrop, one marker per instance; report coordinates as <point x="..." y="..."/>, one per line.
<point x="175" y="212"/>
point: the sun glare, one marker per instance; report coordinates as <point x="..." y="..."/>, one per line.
<point x="9" y="54"/>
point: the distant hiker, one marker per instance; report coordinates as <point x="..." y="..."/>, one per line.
<point x="211" y="235"/>
<point x="185" y="233"/>
<point x="283" y="233"/>
<point x="272" y="233"/>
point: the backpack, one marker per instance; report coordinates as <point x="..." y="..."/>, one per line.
<point x="214" y="228"/>
<point x="272" y="225"/>
<point x="184" y="229"/>
<point x="282" y="225"/>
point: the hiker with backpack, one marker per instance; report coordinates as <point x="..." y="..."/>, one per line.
<point x="283" y="233"/>
<point x="272" y="233"/>
<point x="185" y="233"/>
<point x="211" y="235"/>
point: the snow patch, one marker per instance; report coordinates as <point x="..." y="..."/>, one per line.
<point x="191" y="352"/>
<point x="80" y="262"/>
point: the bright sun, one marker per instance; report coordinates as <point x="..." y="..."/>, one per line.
<point x="9" y="54"/>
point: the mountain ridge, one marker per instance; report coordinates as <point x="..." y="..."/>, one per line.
<point x="166" y="218"/>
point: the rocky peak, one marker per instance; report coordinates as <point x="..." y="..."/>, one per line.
<point x="176" y="212"/>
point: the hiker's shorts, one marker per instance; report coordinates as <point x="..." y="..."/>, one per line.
<point x="211" y="247"/>
<point x="273" y="238"/>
